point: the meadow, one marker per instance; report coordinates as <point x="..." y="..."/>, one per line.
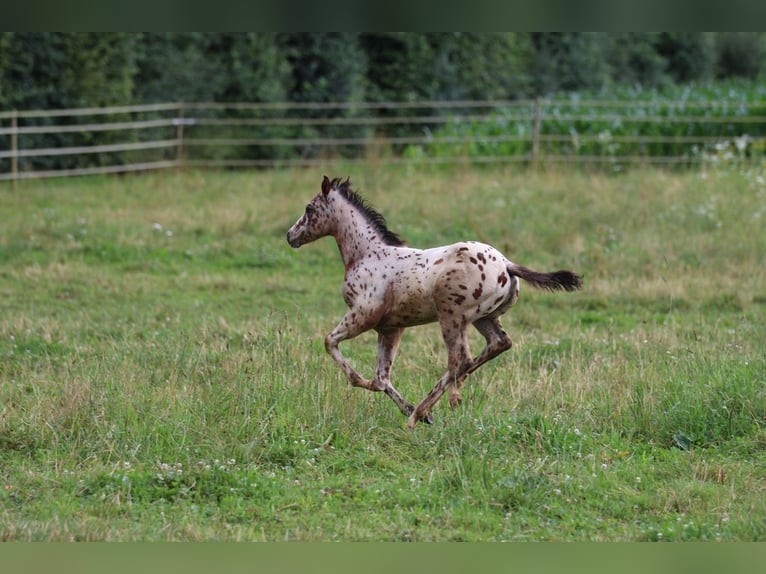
<point x="163" y="375"/>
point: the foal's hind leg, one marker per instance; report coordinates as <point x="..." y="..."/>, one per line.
<point x="498" y="342"/>
<point x="388" y="343"/>
<point x="459" y="362"/>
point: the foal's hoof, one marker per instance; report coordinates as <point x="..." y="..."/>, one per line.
<point x="412" y="421"/>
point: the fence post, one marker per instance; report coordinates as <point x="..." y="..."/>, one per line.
<point x="15" y="148"/>
<point x="536" y="133"/>
<point x="179" y="136"/>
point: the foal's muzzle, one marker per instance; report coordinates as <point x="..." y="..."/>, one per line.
<point x="293" y="241"/>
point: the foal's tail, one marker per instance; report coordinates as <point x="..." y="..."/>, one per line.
<point x="562" y="280"/>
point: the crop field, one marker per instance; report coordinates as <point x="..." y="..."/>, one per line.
<point x="163" y="374"/>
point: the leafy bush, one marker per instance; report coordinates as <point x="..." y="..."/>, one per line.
<point x="686" y="124"/>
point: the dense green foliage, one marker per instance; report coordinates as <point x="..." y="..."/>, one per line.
<point x="163" y="377"/>
<point x="46" y="70"/>
<point x="58" y="70"/>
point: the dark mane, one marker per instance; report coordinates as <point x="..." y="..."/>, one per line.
<point x="375" y="218"/>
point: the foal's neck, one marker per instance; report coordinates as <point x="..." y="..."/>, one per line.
<point x="356" y="236"/>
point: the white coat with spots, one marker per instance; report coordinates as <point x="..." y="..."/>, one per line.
<point x="389" y="286"/>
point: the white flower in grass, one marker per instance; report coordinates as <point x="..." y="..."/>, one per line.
<point x="741" y="142"/>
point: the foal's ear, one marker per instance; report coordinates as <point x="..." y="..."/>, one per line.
<point x="326" y="185"/>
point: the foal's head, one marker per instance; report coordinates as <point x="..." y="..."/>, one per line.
<point x="318" y="218"/>
<point x="321" y="215"/>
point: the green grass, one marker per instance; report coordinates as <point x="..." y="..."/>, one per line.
<point x="163" y="376"/>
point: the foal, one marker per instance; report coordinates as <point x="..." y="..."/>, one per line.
<point x="389" y="286"/>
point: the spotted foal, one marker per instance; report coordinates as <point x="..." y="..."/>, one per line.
<point x="389" y="286"/>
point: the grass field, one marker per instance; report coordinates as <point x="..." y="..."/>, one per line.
<point x="163" y="376"/>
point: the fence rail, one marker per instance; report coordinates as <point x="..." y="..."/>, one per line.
<point x="118" y="139"/>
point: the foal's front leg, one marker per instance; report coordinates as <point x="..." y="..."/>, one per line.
<point x="348" y="328"/>
<point x="388" y="343"/>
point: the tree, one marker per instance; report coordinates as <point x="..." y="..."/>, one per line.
<point x="54" y="70"/>
<point x="397" y="66"/>
<point x="253" y="67"/>
<point x="404" y="67"/>
<point x="690" y="56"/>
<point x="481" y="66"/>
<point x="48" y="70"/>
<point x="448" y="66"/>
<point x="174" y="66"/>
<point x="326" y="67"/>
<point x="633" y="60"/>
<point x="740" y="54"/>
<point x="568" y="61"/>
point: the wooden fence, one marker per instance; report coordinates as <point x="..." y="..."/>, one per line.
<point x="119" y="139"/>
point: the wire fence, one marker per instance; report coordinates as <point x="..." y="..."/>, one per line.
<point x="120" y="139"/>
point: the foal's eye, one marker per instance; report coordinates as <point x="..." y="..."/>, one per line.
<point x="309" y="209"/>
